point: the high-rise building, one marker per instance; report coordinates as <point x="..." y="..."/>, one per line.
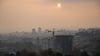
<point x="39" y="29"/>
<point x="63" y="44"/>
<point x="33" y="30"/>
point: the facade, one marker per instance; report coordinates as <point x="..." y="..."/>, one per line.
<point x="63" y="44"/>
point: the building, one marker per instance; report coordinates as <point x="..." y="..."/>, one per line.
<point x="33" y="30"/>
<point x="88" y="40"/>
<point x="63" y="44"/>
<point x="39" y="29"/>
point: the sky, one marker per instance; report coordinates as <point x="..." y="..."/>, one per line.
<point x="23" y="15"/>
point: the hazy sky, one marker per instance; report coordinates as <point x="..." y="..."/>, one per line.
<point x="23" y="15"/>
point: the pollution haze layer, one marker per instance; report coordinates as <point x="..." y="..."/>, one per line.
<point x="23" y="15"/>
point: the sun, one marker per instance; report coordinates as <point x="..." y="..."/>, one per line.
<point x="59" y="5"/>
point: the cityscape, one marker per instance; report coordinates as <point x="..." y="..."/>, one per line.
<point x="49" y="27"/>
<point x="63" y="41"/>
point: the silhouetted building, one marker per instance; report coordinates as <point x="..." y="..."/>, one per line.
<point x="39" y="29"/>
<point x="33" y="30"/>
<point x="63" y="43"/>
